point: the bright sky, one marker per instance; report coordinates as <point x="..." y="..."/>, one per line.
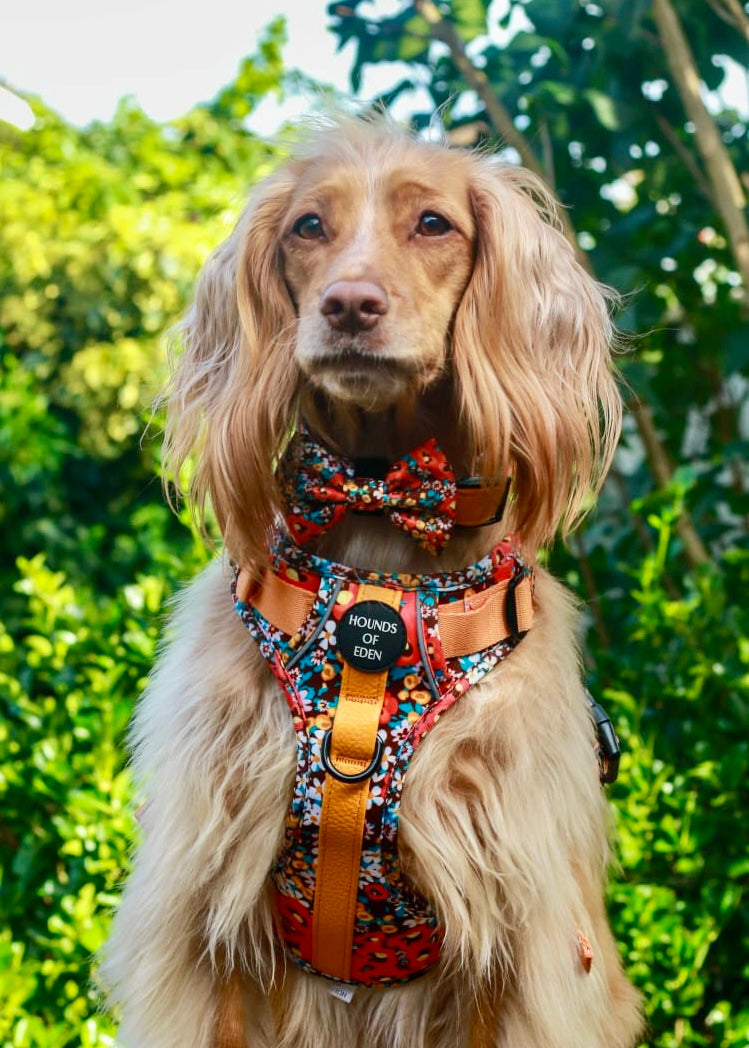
<point x="82" y="56"/>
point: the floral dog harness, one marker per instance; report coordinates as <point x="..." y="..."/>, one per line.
<point x="368" y="662"/>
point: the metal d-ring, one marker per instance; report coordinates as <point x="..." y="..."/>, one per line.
<point x="359" y="776"/>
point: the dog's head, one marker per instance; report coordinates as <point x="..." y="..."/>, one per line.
<point x="368" y="272"/>
<point x="377" y="248"/>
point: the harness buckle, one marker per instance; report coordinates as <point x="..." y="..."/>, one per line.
<point x="609" y="751"/>
<point x="511" y="608"/>
<point x="358" y="776"/>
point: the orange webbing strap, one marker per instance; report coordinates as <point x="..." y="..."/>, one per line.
<point x="478" y="621"/>
<point x="352" y="747"/>
<point x="467" y="625"/>
<point x="284" y="605"/>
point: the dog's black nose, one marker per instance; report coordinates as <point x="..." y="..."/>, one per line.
<point x="353" y="305"/>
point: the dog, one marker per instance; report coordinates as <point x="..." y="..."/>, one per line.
<point x="381" y="293"/>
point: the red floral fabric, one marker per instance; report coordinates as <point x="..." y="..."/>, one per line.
<point x="417" y="492"/>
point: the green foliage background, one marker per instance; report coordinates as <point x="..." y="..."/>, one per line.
<point x="102" y="231"/>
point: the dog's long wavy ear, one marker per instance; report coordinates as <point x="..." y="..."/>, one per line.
<point x="231" y="402"/>
<point x="532" y="355"/>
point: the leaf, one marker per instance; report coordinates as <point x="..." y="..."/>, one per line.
<point x="564" y="94"/>
<point x="413" y="44"/>
<point x="551" y="18"/>
<point x="469" y="17"/>
<point x="736" y="348"/>
<point x="606" y="109"/>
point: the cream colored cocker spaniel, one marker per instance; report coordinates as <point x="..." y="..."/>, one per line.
<point x="379" y="294"/>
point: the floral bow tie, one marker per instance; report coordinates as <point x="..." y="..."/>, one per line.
<point x="417" y="493"/>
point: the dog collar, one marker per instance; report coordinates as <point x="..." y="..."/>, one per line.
<point x="478" y="503"/>
<point x="345" y="910"/>
<point x="418" y="493"/>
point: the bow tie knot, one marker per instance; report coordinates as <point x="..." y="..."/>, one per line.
<point x="417" y="492"/>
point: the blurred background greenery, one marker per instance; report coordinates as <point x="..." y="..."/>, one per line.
<point x="102" y="231"/>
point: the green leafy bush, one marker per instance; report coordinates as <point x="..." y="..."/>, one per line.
<point x="681" y="701"/>
<point x="102" y="231"/>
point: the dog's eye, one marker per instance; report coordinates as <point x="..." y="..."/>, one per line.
<point x="308" y="227"/>
<point x="433" y="225"/>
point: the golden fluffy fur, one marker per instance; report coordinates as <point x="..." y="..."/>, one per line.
<point x="485" y="333"/>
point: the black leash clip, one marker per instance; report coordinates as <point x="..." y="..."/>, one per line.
<point x="609" y="751"/>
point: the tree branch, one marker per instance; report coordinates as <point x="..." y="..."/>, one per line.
<point x="663" y="472"/>
<point x="499" y="117"/>
<point x="594" y="597"/>
<point x="687" y="158"/>
<point x="501" y="121"/>
<point x="477" y="80"/>
<point x="732" y="12"/>
<point x="727" y="193"/>
<point x="548" y="153"/>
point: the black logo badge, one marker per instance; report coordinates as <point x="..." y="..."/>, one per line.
<point x="371" y="636"/>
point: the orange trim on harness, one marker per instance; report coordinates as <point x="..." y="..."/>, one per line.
<point x="465" y="626"/>
<point x="480" y="620"/>
<point x="282" y="604"/>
